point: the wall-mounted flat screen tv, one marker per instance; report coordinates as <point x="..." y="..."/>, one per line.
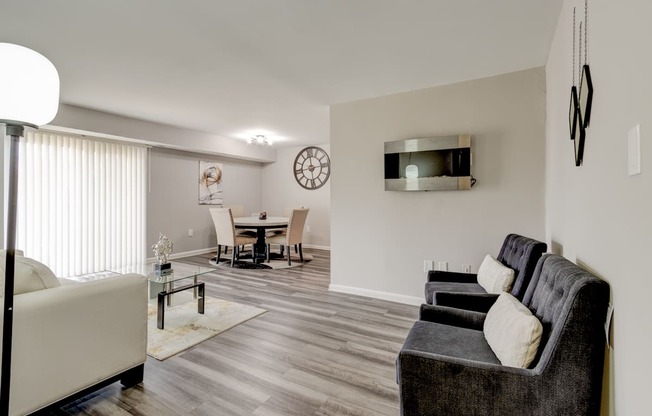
<point x="428" y="164"/>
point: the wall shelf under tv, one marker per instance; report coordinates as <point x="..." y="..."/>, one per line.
<point x="428" y="164"/>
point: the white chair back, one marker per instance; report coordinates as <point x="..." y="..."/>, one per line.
<point x="236" y="210"/>
<point x="295" y="226"/>
<point x="224" y="228"/>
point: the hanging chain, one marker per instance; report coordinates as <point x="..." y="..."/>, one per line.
<point x="579" y="60"/>
<point x="573" y="46"/>
<point x="586" y="31"/>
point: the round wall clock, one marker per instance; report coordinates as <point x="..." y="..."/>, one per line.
<point x="312" y="167"/>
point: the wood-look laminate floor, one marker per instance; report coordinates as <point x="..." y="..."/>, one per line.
<point x="314" y="352"/>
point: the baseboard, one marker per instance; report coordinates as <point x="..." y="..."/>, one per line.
<point x="316" y="247"/>
<point x="188" y="253"/>
<point x="394" y="297"/>
<point x="214" y="250"/>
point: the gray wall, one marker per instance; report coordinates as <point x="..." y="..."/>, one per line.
<point x="597" y="215"/>
<point x="281" y="192"/>
<point x="172" y="206"/>
<point x="380" y="239"/>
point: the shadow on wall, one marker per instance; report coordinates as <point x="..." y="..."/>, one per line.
<point x="556" y="248"/>
<point x="608" y="406"/>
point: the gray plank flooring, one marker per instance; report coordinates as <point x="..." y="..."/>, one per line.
<point x="314" y="352"/>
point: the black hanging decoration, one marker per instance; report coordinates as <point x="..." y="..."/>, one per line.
<point x="573" y="108"/>
<point x="579" y="112"/>
<point x="586" y="85"/>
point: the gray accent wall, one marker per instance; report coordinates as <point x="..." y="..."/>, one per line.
<point x="172" y="206"/>
<point x="597" y="215"/>
<point x="380" y="239"/>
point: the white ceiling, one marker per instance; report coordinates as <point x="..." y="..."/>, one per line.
<point x="243" y="67"/>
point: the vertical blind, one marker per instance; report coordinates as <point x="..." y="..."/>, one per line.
<point x="81" y="203"/>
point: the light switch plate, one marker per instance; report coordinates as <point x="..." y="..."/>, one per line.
<point x="634" y="150"/>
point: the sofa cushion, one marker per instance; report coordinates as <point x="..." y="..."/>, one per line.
<point x="512" y="332"/>
<point x="449" y="340"/>
<point x="432" y="287"/>
<point x="494" y="277"/>
<point x="29" y="275"/>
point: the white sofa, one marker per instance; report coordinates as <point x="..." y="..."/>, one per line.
<point x="72" y="338"/>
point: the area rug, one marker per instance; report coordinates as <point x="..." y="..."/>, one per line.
<point x="184" y="327"/>
<point x="277" y="262"/>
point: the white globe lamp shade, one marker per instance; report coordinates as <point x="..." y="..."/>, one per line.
<point x="29" y="87"/>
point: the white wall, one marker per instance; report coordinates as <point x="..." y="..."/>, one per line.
<point x="281" y="193"/>
<point x="380" y="239"/>
<point x="172" y="206"/>
<point x="596" y="214"/>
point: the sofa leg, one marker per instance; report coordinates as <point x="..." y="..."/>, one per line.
<point x="133" y="376"/>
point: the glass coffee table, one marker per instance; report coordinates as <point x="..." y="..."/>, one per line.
<point x="164" y="286"/>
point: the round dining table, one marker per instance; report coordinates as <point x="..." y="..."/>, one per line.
<point x="261" y="227"/>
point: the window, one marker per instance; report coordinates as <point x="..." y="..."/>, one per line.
<point x="81" y="202"/>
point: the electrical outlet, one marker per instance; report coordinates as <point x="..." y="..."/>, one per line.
<point x="466" y="268"/>
<point x="442" y="265"/>
<point x="191" y="232"/>
<point x="428" y="265"/>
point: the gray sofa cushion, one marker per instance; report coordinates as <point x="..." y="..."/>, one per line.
<point x="454" y="287"/>
<point x="443" y="339"/>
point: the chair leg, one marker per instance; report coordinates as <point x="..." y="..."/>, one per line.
<point x="226" y="249"/>
<point x="233" y="256"/>
<point x="268" y="247"/>
<point x="253" y="253"/>
<point x="289" y="256"/>
<point x="282" y="249"/>
<point x="219" y="251"/>
<point x="301" y="252"/>
<point x="296" y="250"/>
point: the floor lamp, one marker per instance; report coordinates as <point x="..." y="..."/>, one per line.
<point x="29" y="97"/>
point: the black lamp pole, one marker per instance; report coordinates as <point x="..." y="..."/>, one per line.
<point x="16" y="132"/>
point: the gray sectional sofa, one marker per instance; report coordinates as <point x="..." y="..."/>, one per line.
<point x="446" y="367"/>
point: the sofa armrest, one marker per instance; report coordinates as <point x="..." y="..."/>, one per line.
<point x="479" y="302"/>
<point x="70" y="337"/>
<point x="433" y="384"/>
<point x="445" y="276"/>
<point x="452" y="316"/>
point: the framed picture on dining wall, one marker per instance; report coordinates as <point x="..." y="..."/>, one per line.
<point x="210" y="183"/>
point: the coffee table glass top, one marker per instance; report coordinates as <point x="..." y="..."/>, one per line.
<point x="179" y="271"/>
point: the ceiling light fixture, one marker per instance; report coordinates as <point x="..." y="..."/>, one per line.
<point x="260" y="139"/>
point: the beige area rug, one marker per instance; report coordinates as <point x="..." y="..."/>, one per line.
<point x="184" y="327"/>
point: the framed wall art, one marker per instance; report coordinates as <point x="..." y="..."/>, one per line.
<point x="210" y="183"/>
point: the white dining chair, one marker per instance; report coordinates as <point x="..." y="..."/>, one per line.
<point x="238" y="211"/>
<point x="293" y="236"/>
<point x="226" y="235"/>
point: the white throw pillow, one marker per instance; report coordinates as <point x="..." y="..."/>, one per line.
<point x="512" y="332"/>
<point x="494" y="277"/>
<point x="29" y="275"/>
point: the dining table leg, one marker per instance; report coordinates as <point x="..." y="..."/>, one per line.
<point x="261" y="247"/>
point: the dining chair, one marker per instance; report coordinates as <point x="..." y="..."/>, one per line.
<point x="226" y="234"/>
<point x="238" y="211"/>
<point x="293" y="235"/>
